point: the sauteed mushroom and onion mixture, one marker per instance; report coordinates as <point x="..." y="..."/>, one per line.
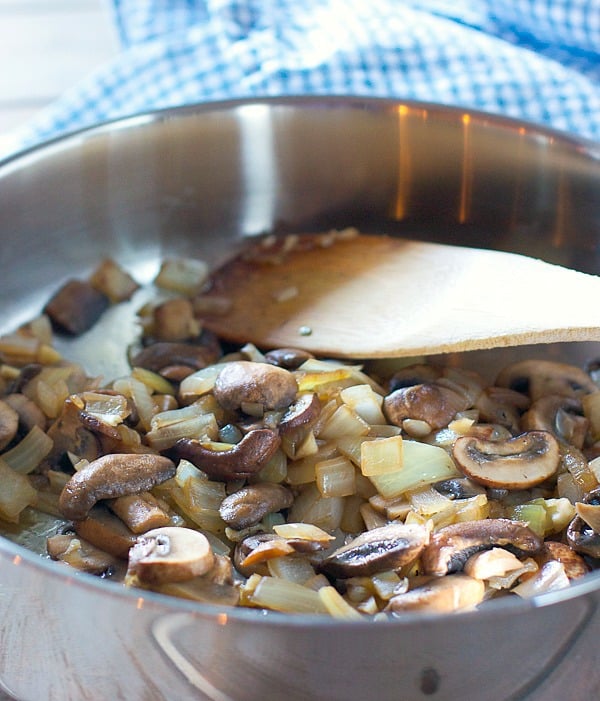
<point x="276" y="480"/>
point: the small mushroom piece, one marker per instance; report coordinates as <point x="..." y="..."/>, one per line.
<point x="243" y="382"/>
<point x="386" y="548"/>
<point x="244" y="459"/>
<point x="443" y="595"/>
<point x="76" y="307"/>
<point x="300" y="415"/>
<point x="575" y="566"/>
<point x="451" y="546"/>
<point x="247" y="506"/>
<point x="140" y="512"/>
<point x="164" y="354"/>
<point x="30" y="414"/>
<point x="434" y="404"/>
<point x="538" y="378"/>
<point x="562" y="416"/>
<point x="516" y="463"/>
<point x="287" y="358"/>
<point x="111" y="476"/>
<point x="106" y="531"/>
<point x="170" y="554"/>
<point x="252" y="553"/>
<point x="583" y="533"/>
<point x="80" y="554"/>
<point x="9" y="424"/>
<point x="582" y="538"/>
<point x="503" y="406"/>
<point x="458" y="488"/>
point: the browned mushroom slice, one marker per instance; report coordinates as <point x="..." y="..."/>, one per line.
<point x="140" y="512"/>
<point x="162" y="355"/>
<point x="516" y="463"/>
<point x="583" y="533"/>
<point x="244" y="459"/>
<point x="111" y="476"/>
<point x="575" y="566"/>
<point x="249" y="505"/>
<point x="540" y="377"/>
<point x="170" y="554"/>
<point x="106" y="531"/>
<point x="244" y="382"/>
<point x="30" y="414"/>
<point x="443" y="595"/>
<point x="70" y="436"/>
<point x="9" y="424"/>
<point x="287" y="358"/>
<point x="453" y="545"/>
<point x="76" y="307"/>
<point x="502" y="405"/>
<point x="251" y="554"/>
<point x="80" y="554"/>
<point x="301" y="415"/>
<point x="412" y="375"/>
<point x="562" y="416"/>
<point x="435" y="405"/>
<point x="380" y="549"/>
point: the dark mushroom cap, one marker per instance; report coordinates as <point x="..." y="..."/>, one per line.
<point x="562" y="416"/>
<point x="541" y="377"/>
<point x="110" y="476"/>
<point x="244" y="459"/>
<point x="249" y="505"/>
<point x="245" y="382"/>
<point x="434" y="404"/>
<point x="516" y="463"/>
<point x="453" y="545"/>
<point x="377" y="550"/>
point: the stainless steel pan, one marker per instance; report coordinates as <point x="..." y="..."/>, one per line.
<point x="199" y="181"/>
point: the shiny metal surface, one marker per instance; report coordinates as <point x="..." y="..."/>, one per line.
<point x="198" y="181"/>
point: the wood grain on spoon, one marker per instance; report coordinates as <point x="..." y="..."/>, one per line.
<point x="376" y="296"/>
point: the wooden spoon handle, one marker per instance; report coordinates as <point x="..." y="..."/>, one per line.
<point x="376" y="296"/>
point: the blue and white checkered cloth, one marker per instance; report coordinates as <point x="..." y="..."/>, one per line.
<point x="537" y="60"/>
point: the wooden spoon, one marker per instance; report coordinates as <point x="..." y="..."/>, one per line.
<point x="376" y="296"/>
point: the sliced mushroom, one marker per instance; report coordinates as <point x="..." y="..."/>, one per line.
<point x="562" y="416"/>
<point x="164" y="354"/>
<point x="537" y="378"/>
<point x="171" y="554"/>
<point x="80" y="554"/>
<point x="419" y="374"/>
<point x="244" y="459"/>
<point x="453" y="545"/>
<point x="70" y="436"/>
<point x="503" y="406"/>
<point x="443" y="595"/>
<point x="287" y="358"/>
<point x="248" y="506"/>
<point x="458" y="488"/>
<point x="76" y="307"/>
<point x="30" y="414"/>
<point x="434" y="404"/>
<point x="251" y="554"/>
<point x="111" y="476"/>
<point x="140" y="512"/>
<point x="575" y="566"/>
<point x="9" y="424"/>
<point x="301" y="415"/>
<point x="380" y="549"/>
<point x="106" y="531"/>
<point x="245" y="382"/>
<point x="583" y="533"/>
<point x="517" y="463"/>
